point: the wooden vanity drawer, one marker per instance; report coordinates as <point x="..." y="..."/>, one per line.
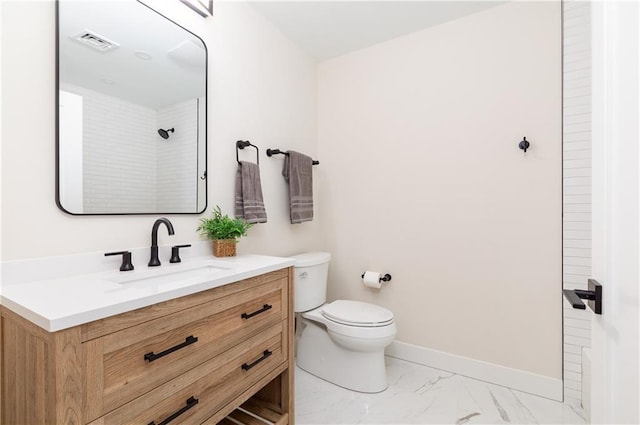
<point x="126" y="364"/>
<point x="213" y="384"/>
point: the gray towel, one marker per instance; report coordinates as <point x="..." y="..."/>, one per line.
<point x="249" y="201"/>
<point x="297" y="171"/>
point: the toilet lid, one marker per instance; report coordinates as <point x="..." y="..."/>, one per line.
<point x="356" y="313"/>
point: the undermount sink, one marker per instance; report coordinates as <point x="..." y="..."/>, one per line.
<point x="203" y="271"/>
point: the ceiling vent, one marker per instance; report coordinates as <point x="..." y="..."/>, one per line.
<point x="95" y="41"/>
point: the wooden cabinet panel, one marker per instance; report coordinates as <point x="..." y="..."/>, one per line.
<point x="97" y="372"/>
<point x="41" y="374"/>
<point x="214" y="383"/>
<point x="112" y="324"/>
<point x="120" y="371"/>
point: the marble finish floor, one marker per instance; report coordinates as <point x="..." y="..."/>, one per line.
<point x="421" y="395"/>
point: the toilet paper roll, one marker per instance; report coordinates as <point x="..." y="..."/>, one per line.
<point x="372" y="279"/>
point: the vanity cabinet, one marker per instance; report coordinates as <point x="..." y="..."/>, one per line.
<point x="196" y="359"/>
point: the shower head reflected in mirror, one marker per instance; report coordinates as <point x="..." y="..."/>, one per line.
<point x="165" y="133"/>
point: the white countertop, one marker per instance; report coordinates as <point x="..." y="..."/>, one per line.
<point x="64" y="302"/>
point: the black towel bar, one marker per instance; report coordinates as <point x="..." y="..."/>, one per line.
<point x="271" y="152"/>
<point x="241" y="144"/>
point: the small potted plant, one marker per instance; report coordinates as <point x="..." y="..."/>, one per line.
<point x="224" y="231"/>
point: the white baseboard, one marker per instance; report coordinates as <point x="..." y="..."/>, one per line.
<point x="500" y="375"/>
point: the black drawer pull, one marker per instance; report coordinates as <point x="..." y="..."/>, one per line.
<point x="191" y="401"/>
<point x="188" y="341"/>
<point x="265" y="354"/>
<point x="255" y="313"/>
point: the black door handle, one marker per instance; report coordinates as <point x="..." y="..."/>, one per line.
<point x="573" y="298"/>
<point x="191" y="401"/>
<point x="593" y="295"/>
<point x="188" y="341"/>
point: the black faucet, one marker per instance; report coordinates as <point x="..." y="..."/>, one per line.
<point x="154" y="261"/>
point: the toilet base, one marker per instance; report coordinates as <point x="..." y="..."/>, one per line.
<point x="318" y="354"/>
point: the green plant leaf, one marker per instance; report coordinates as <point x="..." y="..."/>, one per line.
<point x="221" y="226"/>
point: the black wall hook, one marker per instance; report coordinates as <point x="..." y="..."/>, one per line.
<point x="241" y="144"/>
<point x="524" y="144"/>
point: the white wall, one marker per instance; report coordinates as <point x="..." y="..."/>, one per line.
<point x="420" y="174"/>
<point x="177" y="157"/>
<point x="424" y="180"/>
<point x="70" y="169"/>
<point x="576" y="178"/>
<point x="2" y="42"/>
<point x="127" y="165"/>
<point x="119" y="154"/>
<point x="261" y="88"/>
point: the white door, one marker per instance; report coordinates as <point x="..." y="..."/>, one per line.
<point x="616" y="116"/>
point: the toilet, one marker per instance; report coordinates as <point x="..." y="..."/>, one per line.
<point x="343" y="341"/>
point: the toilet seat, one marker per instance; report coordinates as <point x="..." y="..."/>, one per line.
<point x="379" y="331"/>
<point x="356" y="313"/>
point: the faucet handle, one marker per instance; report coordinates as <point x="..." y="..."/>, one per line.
<point x="175" y="253"/>
<point x="126" y="260"/>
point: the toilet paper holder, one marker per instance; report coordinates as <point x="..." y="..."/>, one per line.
<point x="385" y="278"/>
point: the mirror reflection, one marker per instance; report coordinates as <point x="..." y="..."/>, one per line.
<point x="131" y="111"/>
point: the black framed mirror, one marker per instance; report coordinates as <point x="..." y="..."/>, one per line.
<point x="131" y="111"/>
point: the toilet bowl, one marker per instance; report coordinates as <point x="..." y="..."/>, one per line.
<point x="343" y="341"/>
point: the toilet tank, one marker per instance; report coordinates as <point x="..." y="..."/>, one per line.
<point x="310" y="280"/>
